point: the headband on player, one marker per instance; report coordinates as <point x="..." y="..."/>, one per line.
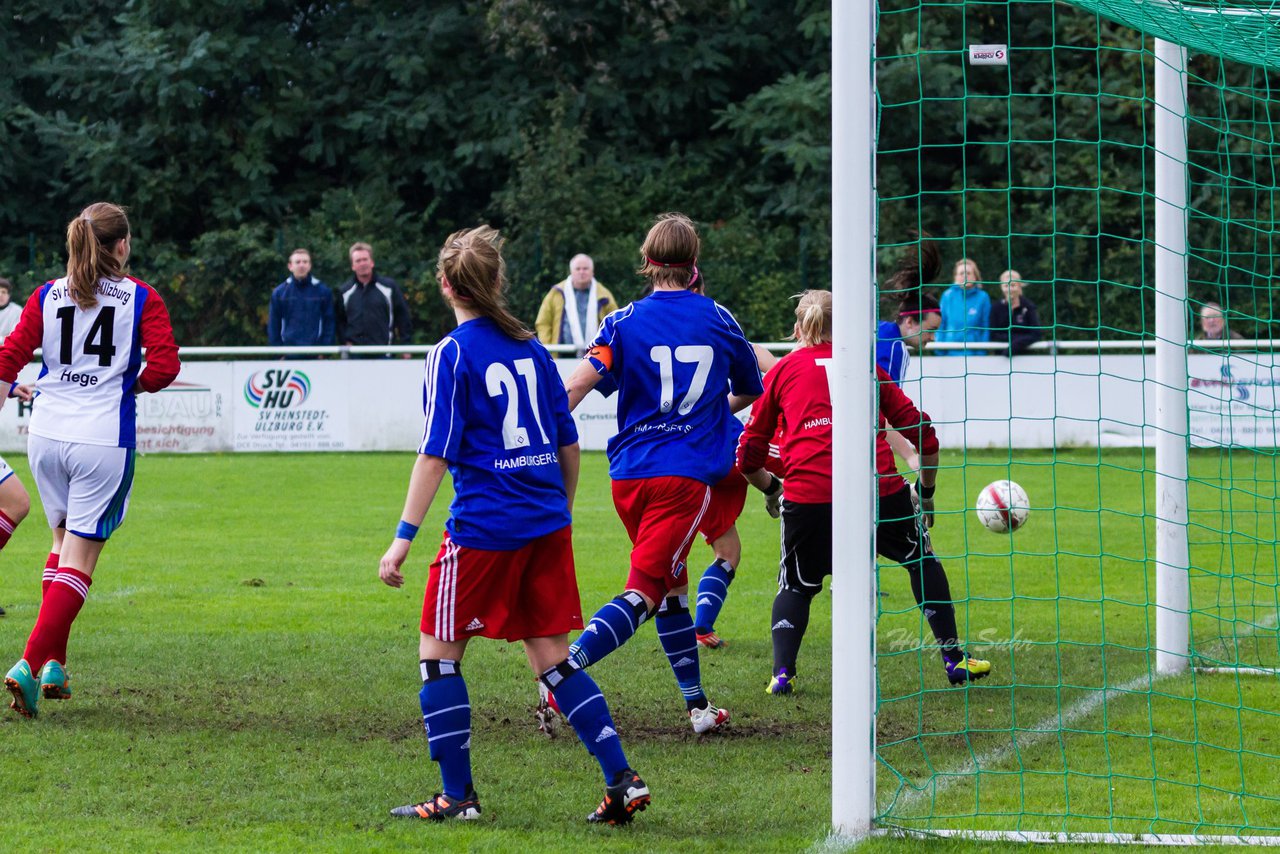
<point x="688" y="263"/>
<point x="916" y="311"/>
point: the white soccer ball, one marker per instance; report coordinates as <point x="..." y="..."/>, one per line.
<point x="1003" y="506"/>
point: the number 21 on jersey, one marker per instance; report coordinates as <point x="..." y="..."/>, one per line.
<point x="500" y="382"/>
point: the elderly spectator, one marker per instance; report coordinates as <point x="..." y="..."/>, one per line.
<point x="301" y="307"/>
<point x="1014" y="319"/>
<point x="9" y="311"/>
<point x="966" y="309"/>
<point x="371" y="309"/>
<point x="573" y="309"/>
<point x="1213" y="323"/>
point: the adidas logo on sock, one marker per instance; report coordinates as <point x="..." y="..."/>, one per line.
<point x="606" y="733"/>
<point x="704" y="601"/>
<point x="591" y="627"/>
<point x="684" y="661"/>
<point x="474" y="626"/>
<point x="466" y="745"/>
<point x="784" y="623"/>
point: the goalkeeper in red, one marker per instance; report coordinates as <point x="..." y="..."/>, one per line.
<point x="797" y="398"/>
<point x="497" y="420"/>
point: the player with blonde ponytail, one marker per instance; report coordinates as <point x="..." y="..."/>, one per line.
<point x="497" y="419"/>
<point x="797" y="398"/>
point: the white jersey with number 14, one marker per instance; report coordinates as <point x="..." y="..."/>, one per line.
<point x="92" y="358"/>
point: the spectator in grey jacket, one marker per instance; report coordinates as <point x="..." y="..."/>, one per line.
<point x="371" y="309"/>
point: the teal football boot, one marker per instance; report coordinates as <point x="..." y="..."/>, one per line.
<point x="24" y="687"/>
<point x="55" y="684"/>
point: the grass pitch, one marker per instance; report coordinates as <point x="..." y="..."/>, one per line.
<point x="244" y="682"/>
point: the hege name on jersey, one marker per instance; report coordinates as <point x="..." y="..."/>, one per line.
<point x="81" y="380"/>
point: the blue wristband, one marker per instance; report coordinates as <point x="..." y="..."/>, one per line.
<point x="405" y="531"/>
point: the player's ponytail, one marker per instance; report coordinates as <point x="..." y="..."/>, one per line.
<point x="919" y="265"/>
<point x="91" y="240"/>
<point x="471" y="262"/>
<point x="669" y="252"/>
<point x="813" y="318"/>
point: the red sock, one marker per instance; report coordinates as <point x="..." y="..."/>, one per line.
<point x="58" y="611"/>
<point x="6" y="528"/>
<point x="50" y="570"/>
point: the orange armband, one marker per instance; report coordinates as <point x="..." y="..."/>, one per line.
<point x="601" y="358"/>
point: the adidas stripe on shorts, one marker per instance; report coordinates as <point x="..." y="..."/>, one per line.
<point x="531" y="592"/>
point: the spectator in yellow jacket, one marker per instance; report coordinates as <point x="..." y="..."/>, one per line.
<point x="573" y="310"/>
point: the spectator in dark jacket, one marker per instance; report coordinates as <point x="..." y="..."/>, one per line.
<point x="371" y="309"/>
<point x="1014" y="319"/>
<point x="301" y="307"/>
<point x="1213" y="323"/>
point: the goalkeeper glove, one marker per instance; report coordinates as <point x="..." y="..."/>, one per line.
<point x="926" y="502"/>
<point x="773" y="497"/>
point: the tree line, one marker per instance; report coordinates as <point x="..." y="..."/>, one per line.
<point x="237" y="130"/>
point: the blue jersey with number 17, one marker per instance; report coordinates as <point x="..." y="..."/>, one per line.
<point x="496" y="409"/>
<point x="676" y="357"/>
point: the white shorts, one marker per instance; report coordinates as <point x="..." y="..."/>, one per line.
<point x="6" y="471"/>
<point x="82" y="487"/>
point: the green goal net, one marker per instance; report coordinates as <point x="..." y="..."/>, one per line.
<point x="1132" y="623"/>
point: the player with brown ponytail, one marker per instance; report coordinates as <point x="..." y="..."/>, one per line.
<point x="92" y="326"/>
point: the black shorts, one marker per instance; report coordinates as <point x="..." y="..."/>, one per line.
<point x="806" y="547"/>
<point x="901" y="535"/>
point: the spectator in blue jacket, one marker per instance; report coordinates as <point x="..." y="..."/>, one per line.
<point x="301" y="307"/>
<point x="966" y="309"/>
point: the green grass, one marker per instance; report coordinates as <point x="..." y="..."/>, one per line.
<point x="244" y="682"/>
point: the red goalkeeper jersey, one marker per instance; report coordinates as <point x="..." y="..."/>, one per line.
<point x="796" y="398"/>
<point x="897" y="411"/>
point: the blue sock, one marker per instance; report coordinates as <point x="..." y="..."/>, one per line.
<point x="712" y="591"/>
<point x="446" y="716"/>
<point x="675" y="630"/>
<point x="611" y="627"/>
<point x="582" y="703"/>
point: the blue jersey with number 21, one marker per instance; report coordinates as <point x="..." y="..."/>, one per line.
<point x="676" y="357"/>
<point x="496" y="409"/>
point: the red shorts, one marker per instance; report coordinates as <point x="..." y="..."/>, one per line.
<point x="531" y="592"/>
<point x="661" y="515"/>
<point x="728" y="497"/>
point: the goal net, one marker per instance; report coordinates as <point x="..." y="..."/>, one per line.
<point x="1132" y="623"/>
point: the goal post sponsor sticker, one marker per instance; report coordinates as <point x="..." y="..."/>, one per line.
<point x="988" y="54"/>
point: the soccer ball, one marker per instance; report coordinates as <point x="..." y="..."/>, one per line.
<point x="1003" y="506"/>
